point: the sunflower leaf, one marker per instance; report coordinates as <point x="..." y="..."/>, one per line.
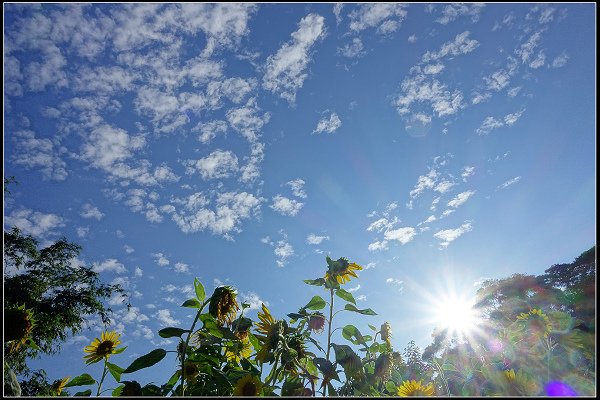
<point x="351" y="333"/>
<point x="81" y="380"/>
<point x="117" y="391"/>
<point x="85" y="393"/>
<point x="172" y="332"/>
<point x="191" y="303"/>
<point x="316" y="303"/>
<point x="146" y="361"/>
<point x="115" y="371"/>
<point x="327" y="368"/>
<point x="366" y="311"/>
<point x="119" y="350"/>
<point x="345" y="295"/>
<point x="315" y="282"/>
<point x="200" y="293"/>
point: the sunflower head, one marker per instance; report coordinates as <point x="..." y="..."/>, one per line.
<point x="18" y="325"/>
<point x="223" y="304"/>
<point x="249" y="385"/>
<point x="383" y="366"/>
<point x="386" y="333"/>
<point x="316" y="322"/>
<point x="132" y="388"/>
<point x="536" y="322"/>
<point x="59" y="385"/>
<point x="414" y="388"/>
<point x="241" y="349"/>
<point x="340" y="271"/>
<point x="102" y="347"/>
<point x="190" y="370"/>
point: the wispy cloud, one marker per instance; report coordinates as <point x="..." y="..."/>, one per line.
<point x="285" y="206"/>
<point x="297" y="186"/>
<point x="460" y="199"/>
<point x="453" y="11"/>
<point x="314" y="239"/>
<point x="385" y="17"/>
<point x="109" y="265"/>
<point x="449" y="235"/>
<point x="508" y="183"/>
<point x="328" y="125"/>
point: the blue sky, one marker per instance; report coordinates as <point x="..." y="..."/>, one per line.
<point x="435" y="145"/>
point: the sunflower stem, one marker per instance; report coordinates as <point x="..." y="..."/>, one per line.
<point x="187" y="340"/>
<point x="103" y="376"/>
<point x="329" y="333"/>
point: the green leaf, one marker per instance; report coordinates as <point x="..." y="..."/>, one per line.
<point x="255" y="342"/>
<point x="345" y="295"/>
<point x="331" y="390"/>
<point x="316" y="303"/>
<point x="327" y="368"/>
<point x="119" y="350"/>
<point x="117" y="391"/>
<point x="200" y="293"/>
<point x="172" y="332"/>
<point x="166" y="388"/>
<point x="366" y="311"/>
<point x="315" y="282"/>
<point x="292" y="387"/>
<point x="151" y="390"/>
<point x="296" y="316"/>
<point x="351" y="333"/>
<point x="85" y="393"/>
<point x="191" y="303"/>
<point x="115" y="371"/>
<point x="83" y="379"/>
<point x="210" y="324"/>
<point x="146" y="361"/>
<point x="373" y="328"/>
<point x="391" y="387"/>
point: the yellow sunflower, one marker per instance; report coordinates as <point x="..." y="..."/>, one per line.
<point x="18" y="325"/>
<point x="223" y="304"/>
<point x="536" y="321"/>
<point x="102" y="348"/>
<point x="269" y="330"/>
<point x="520" y="384"/>
<point x="242" y="349"/>
<point x="59" y="385"/>
<point x="414" y="388"/>
<point x="266" y="321"/>
<point x="249" y="385"/>
<point x="341" y="270"/>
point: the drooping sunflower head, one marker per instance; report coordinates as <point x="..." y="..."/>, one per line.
<point x="386" y="333"/>
<point x="266" y="321"/>
<point x="249" y="385"/>
<point x="415" y="388"/>
<point x="316" y="322"/>
<point x="223" y="304"/>
<point x="59" y="385"/>
<point x="536" y="322"/>
<point x="383" y="366"/>
<point x="102" y="347"/>
<point x="341" y="270"/>
<point x="190" y="370"/>
<point x="18" y="325"/>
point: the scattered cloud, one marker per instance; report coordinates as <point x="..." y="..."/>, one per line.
<point x="165" y="319"/>
<point x="385" y="17"/>
<point x="453" y="11"/>
<point x="160" y="259"/>
<point x="297" y="186"/>
<point x="314" y="239"/>
<point x="397" y="283"/>
<point x="109" y="265"/>
<point x="466" y="172"/>
<point x="560" y="61"/>
<point x="449" y="235"/>
<point x="354" y="49"/>
<point x="217" y="165"/>
<point x="491" y="123"/>
<point x="508" y="183"/>
<point x="285" y="206"/>
<point x="460" y="199"/>
<point x="328" y="125"/>
<point x="89" y="211"/>
<point x="34" y="223"/>
<point x="182" y="267"/>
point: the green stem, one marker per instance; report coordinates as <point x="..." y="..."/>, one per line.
<point x="329" y="333"/>
<point x="103" y="376"/>
<point x="187" y="340"/>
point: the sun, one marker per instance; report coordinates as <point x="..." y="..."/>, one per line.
<point x="455" y="314"/>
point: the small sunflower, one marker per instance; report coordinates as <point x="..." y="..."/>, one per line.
<point x="414" y="388"/>
<point x="316" y="322"/>
<point x="536" y="321"/>
<point x="59" y="385"/>
<point x="383" y="366"/>
<point x="386" y="333"/>
<point x="223" y="305"/>
<point x="249" y="385"/>
<point x="18" y="325"/>
<point x="102" y="348"/>
<point x="520" y="384"/>
<point x="341" y="270"/>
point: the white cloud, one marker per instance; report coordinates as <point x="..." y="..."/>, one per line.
<point x="82" y="231"/>
<point x="109" y="265"/>
<point x="182" y="267"/>
<point x="354" y="49"/>
<point x="128" y="249"/>
<point x="164" y="318"/>
<point x="467" y="171"/>
<point x="444" y="186"/>
<point x="460" y="199"/>
<point x="433" y="69"/>
<point x="527" y="48"/>
<point x="252" y="299"/>
<point x="362" y="297"/>
<point x="453" y="11"/>
<point x="460" y="45"/>
<point x="510" y="119"/>
<point x="489" y="124"/>
<point x="210" y="130"/>
<point x="402" y="235"/>
<point x="89" y="211"/>
<point x="395" y="282"/>
<point x="247" y="121"/>
<point x="314" y="239"/>
<point x="354" y="289"/>
<point x="337" y="11"/>
<point x="424" y="182"/>
<point x="34" y="223"/>
<point x="138" y="272"/>
<point x="297" y="186"/>
<point x="447" y="212"/>
<point x="429" y="219"/>
<point x="218" y="164"/>
<point x="285" y="206"/>
<point x="449" y="235"/>
<point x="378" y="245"/>
<point x="508" y="183"/>
<point x="37" y="153"/>
<point x="423" y="89"/>
<point x="560" y="61"/>
<point x="480" y="97"/>
<point x="370" y="265"/>
<point x="285" y="70"/>
<point x="381" y="224"/>
<point x="160" y="259"/>
<point x="143" y="331"/>
<point x="497" y="80"/>
<point x="328" y="125"/>
<point x="386" y="17"/>
<point x="283" y="251"/>
<point x="539" y="60"/>
<point x="412" y="38"/>
<point x="513" y="92"/>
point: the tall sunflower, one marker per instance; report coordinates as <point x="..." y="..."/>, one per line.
<point x="18" y="326"/>
<point x="223" y="304"/>
<point x="102" y="348"/>
<point x="414" y="388"/>
<point x="249" y="385"/>
<point x="59" y="385"/>
<point x="536" y="322"/>
<point x="341" y="270"/>
<point x="269" y="330"/>
<point x="241" y="349"/>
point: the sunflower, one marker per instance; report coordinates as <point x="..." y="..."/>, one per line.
<point x="316" y="322"/>
<point x="270" y="329"/>
<point x="190" y="370"/>
<point x="18" y="325"/>
<point x="249" y="385"/>
<point x="59" y="385"/>
<point x="102" y="348"/>
<point x="536" y="321"/>
<point x="414" y="388"/>
<point x="341" y="270"/>
<point x="242" y="349"/>
<point x="520" y="384"/>
<point x="383" y="366"/>
<point x="386" y="333"/>
<point x="223" y="305"/>
<point x="266" y="321"/>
